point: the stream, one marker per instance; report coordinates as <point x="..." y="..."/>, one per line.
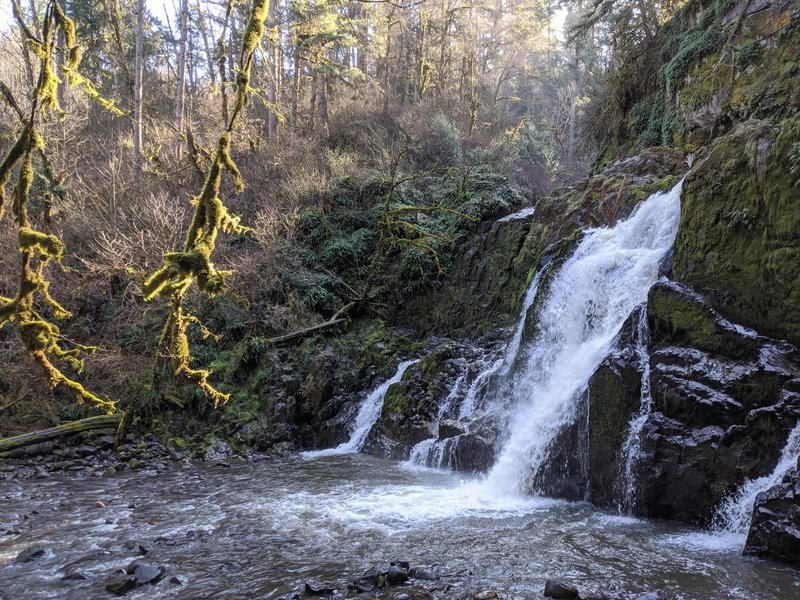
<point x="262" y="530"/>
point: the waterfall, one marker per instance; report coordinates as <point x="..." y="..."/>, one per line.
<point x="368" y="415"/>
<point x="734" y="513"/>
<point x="631" y="448"/>
<point x="503" y="365"/>
<point x="431" y="452"/>
<point x="589" y="299"/>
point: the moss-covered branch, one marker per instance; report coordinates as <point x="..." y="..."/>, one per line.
<point x="193" y="263"/>
<point x="41" y="338"/>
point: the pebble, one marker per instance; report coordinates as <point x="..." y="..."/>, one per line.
<point x="99" y="504"/>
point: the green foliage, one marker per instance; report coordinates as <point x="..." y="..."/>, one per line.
<point x="348" y="251"/>
<point x="748" y="54"/>
<point x="694" y="45"/>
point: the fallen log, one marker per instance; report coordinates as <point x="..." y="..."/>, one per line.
<point x="71" y="428"/>
<point x="282" y="339"/>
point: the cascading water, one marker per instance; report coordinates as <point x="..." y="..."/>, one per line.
<point x="632" y="448"/>
<point x="735" y="513"/>
<point x="432" y="452"/>
<point x="610" y="273"/>
<point x="367" y="416"/>
<point x="502" y="366"/>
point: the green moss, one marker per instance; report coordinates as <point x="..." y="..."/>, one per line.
<point x="398" y="401"/>
<point x="738" y="242"/>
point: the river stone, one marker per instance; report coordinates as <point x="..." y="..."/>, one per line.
<point x="423" y="574"/>
<point x="30" y="553"/>
<point x="396" y="575"/>
<point x="74" y="574"/>
<point x="144" y="572"/>
<point x="560" y="591"/>
<point x="121" y="584"/>
<point x="485" y="595"/>
<point x="323" y="591"/>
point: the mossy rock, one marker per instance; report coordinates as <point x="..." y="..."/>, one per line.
<point x="739" y="237"/>
<point x="677" y="317"/>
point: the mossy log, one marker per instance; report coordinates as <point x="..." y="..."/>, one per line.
<point x="301" y="333"/>
<point x="71" y="428"/>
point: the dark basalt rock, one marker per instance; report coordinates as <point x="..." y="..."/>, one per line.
<point x="775" y="530"/>
<point x="724" y="400"/>
<point x="560" y="591"/>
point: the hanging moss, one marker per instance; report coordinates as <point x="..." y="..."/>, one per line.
<point x="193" y="264"/>
<point x="41" y="338"/>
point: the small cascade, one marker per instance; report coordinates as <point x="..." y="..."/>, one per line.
<point x="503" y="365"/>
<point x="735" y="513"/>
<point x="367" y="416"/>
<point x="432" y="452"/>
<point x="589" y="299"/>
<point x="632" y="447"/>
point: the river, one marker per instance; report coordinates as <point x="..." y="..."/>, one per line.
<point x="261" y="530"/>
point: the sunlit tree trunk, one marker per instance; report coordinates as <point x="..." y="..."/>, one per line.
<point x="137" y="93"/>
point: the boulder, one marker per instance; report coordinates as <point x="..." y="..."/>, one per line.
<point x="775" y="529"/>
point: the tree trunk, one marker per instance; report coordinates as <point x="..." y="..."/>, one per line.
<point x="295" y="98"/>
<point x="137" y="94"/>
<point x="204" y="33"/>
<point x="72" y="428"/>
<point x="272" y="70"/>
<point x="322" y="100"/>
<point x="182" y="49"/>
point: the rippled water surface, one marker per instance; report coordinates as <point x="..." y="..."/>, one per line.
<point x="262" y="530"/>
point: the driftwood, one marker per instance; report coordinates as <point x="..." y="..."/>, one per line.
<point x="71" y="428"/>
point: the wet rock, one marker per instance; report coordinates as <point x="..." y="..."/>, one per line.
<point x="560" y="591"/>
<point x="423" y="574"/>
<point x="397" y="575"/>
<point x="86" y="450"/>
<point x="41" y="473"/>
<point x="321" y="591"/>
<point x="121" y="584"/>
<point x="726" y="401"/>
<point x="105" y="441"/>
<point x="75" y="575"/>
<point x="485" y="595"/>
<point x="775" y="529"/>
<point x="30" y="553"/>
<point x="177" y="580"/>
<point x="449" y="428"/>
<point x="144" y="572"/>
<point x="99" y="504"/>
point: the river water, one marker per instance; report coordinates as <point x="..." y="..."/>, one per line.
<point x="261" y="530"/>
